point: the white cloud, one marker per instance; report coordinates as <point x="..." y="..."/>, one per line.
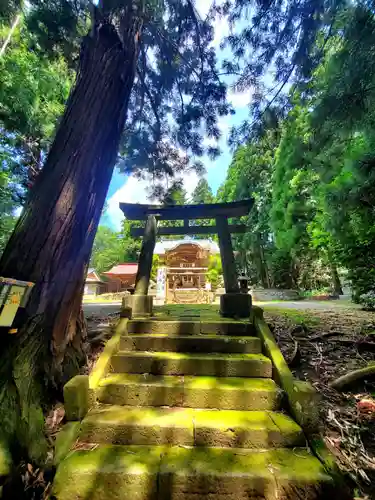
<point x="240" y="99"/>
<point x="133" y="191"/>
<point x="203" y="6"/>
<point x="221" y="30"/>
<point x="221" y="26"/>
<point x="136" y="191"/>
<point x="223" y="124"/>
<point x="190" y="182"/>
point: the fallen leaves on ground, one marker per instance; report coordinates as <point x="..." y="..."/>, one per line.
<point x="330" y="344"/>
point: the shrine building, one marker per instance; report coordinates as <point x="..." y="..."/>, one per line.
<point x="183" y="266"/>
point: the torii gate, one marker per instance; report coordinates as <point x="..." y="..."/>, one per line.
<point x="232" y="303"/>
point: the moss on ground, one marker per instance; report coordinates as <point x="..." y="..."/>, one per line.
<point x="289" y="464"/>
<point x="5" y="460"/>
<point x="65" y="440"/>
<point x="296" y="316"/>
<point x="77" y="397"/>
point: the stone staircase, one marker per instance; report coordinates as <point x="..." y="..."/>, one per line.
<point x="190" y="411"/>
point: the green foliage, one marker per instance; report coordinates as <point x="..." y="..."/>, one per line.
<point x="367" y="300"/>
<point x="215" y="264"/>
<point x="33" y="91"/>
<point x="282" y="269"/>
<point x="112" y="248"/>
<point x="202" y="193"/>
<point x="173" y="195"/>
<point x="279" y="44"/>
<point x="131" y="246"/>
<point x="9" y="9"/>
<point x="155" y="265"/>
<point x="317" y="191"/>
<point x="215" y="271"/>
<point x="7" y="206"/>
<point x="250" y="176"/>
<point x="108" y="250"/>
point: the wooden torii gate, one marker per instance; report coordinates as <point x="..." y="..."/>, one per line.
<point x="232" y="303"/>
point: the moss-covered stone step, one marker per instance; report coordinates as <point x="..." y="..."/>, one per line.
<point x="192" y="427"/>
<point x="191" y="343"/>
<point x="191" y="392"/>
<point x="182" y="473"/>
<point x="221" y="474"/>
<point x="172" y="363"/>
<point x="198" y="327"/>
<point x="109" y="473"/>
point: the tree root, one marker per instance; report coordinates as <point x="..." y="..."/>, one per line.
<point x="353" y="376"/>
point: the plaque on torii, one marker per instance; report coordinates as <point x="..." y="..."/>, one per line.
<point x="233" y="303"/>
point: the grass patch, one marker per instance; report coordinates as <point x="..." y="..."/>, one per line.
<point x="296" y="316"/>
<point x="199" y="310"/>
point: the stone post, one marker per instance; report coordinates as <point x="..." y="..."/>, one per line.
<point x="232" y="303"/>
<point x="141" y="303"/>
<point x="227" y="256"/>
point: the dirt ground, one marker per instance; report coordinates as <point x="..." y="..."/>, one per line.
<point x="322" y="345"/>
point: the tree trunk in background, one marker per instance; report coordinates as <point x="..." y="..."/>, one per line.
<point x="263" y="265"/>
<point x="52" y="241"/>
<point x="337" y="288"/>
<point x="10" y="34"/>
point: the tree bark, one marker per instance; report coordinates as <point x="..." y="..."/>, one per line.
<point x="10" y="34"/>
<point x="52" y="242"/>
<point x="337" y="288"/>
<point x="263" y="268"/>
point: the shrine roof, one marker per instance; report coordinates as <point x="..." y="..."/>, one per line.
<point x="163" y="246"/>
<point x="136" y="211"/>
<point x="93" y="276"/>
<point x="123" y="269"/>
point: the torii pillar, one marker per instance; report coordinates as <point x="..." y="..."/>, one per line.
<point x="141" y="303"/>
<point x="232" y="303"/>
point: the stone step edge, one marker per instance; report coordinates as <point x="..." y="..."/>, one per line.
<point x="175" y="356"/>
<point x="172" y="363"/>
<point x="202" y="336"/>
<point x="176" y="327"/>
<point x="233" y="393"/>
<point x="216" y="383"/>
<point x="145" y="468"/>
<point x="207" y="344"/>
<point x="194" y="427"/>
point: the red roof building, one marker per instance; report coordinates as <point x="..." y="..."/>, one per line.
<point x="93" y="284"/>
<point x="121" y="277"/>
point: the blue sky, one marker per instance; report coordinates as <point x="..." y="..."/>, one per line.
<point x="132" y="190"/>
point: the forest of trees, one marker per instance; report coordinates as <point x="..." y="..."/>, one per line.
<point x="310" y="168"/>
<point x="137" y="85"/>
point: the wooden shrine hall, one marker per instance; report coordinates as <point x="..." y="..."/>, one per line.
<point x="232" y="303"/>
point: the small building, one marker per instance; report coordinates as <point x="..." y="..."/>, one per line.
<point x="185" y="263"/>
<point x="121" y="277"/>
<point x="93" y="284"/>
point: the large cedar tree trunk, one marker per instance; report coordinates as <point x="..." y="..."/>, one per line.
<point x="52" y="241"/>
